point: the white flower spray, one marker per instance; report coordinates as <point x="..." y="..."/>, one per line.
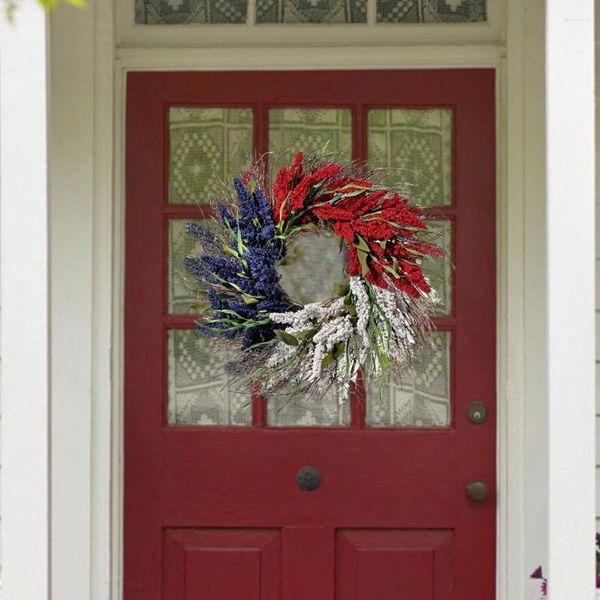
<point x="327" y="343"/>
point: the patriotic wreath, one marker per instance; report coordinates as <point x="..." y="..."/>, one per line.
<point x="376" y="324"/>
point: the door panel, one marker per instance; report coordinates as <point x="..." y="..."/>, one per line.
<point x="212" y="506"/>
<point x="221" y="564"/>
<point x="394" y="565"/>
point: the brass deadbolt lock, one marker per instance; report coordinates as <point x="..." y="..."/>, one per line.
<point x="477" y="413"/>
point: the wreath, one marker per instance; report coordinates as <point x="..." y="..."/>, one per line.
<point x="378" y="321"/>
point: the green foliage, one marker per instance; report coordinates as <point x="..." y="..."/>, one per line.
<point x="11" y="6"/>
<point x="49" y="4"/>
<point x="286" y="337"/>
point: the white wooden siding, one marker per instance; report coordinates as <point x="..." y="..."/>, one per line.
<point x="597" y="17"/>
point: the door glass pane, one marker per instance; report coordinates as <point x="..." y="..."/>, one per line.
<point x="440" y="271"/>
<point x="198" y="391"/>
<point x="208" y="146"/>
<point x="314" y="11"/>
<point x="426" y="11"/>
<point x="183" y="12"/>
<point x="309" y="129"/>
<point x="416" y="146"/>
<point x="329" y="411"/>
<point x="423" y="399"/>
<point x="183" y="291"/>
<point x="313" y="266"/>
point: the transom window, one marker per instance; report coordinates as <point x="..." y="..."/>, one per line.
<point x="179" y="12"/>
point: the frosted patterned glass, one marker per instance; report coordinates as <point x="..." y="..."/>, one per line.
<point x="329" y="411"/>
<point x="431" y="11"/>
<point x="416" y="145"/>
<point x="198" y="392"/>
<point x="183" y="291"/>
<point x="208" y="146"/>
<point x="311" y="11"/>
<point x="439" y="271"/>
<point x="423" y="399"/>
<point x="309" y="129"/>
<point x="315" y="265"/>
<point x="189" y="12"/>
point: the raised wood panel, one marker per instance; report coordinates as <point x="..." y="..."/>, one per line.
<point x="394" y="565"/>
<point x="221" y="564"/>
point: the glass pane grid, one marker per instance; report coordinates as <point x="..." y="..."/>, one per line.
<point x="423" y="397"/>
<point x="431" y="11"/>
<point x="208" y="146"/>
<point x="329" y="411"/>
<point x="415" y="147"/>
<point x="310" y="130"/>
<point x="198" y="384"/>
<point x="183" y="295"/>
<point x="439" y="270"/>
<point x="190" y="12"/>
<point x="313" y="266"/>
<point x="209" y="12"/>
<point x="311" y="11"/>
<point x="198" y="392"/>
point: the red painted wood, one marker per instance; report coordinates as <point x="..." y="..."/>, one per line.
<point x="221" y="564"/>
<point x="308" y="563"/>
<point x="187" y="481"/>
<point x="394" y="565"/>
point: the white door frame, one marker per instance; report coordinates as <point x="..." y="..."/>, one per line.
<point x="87" y="489"/>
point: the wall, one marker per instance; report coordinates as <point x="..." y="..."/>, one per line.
<point x="597" y="268"/>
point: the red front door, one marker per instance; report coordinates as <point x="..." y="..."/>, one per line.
<point x="213" y="510"/>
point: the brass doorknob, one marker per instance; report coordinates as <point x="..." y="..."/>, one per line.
<point x="477" y="490"/>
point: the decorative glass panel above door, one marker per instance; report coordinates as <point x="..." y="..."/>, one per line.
<point x="180" y="12"/>
<point x="423" y="398"/>
<point x="431" y="11"/>
<point x="202" y="12"/>
<point x="416" y="145"/>
<point x="311" y="11"/>
<point x="198" y="390"/>
<point x="208" y="146"/>
<point x="310" y="129"/>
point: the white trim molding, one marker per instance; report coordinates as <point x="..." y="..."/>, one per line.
<point x="82" y="58"/>
<point x="570" y="164"/>
<point x="24" y="318"/>
<point x="301" y="36"/>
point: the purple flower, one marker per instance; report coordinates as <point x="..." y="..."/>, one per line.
<point x="537" y="574"/>
<point x="215" y="301"/>
<point x="241" y="280"/>
<point x="201" y="233"/>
